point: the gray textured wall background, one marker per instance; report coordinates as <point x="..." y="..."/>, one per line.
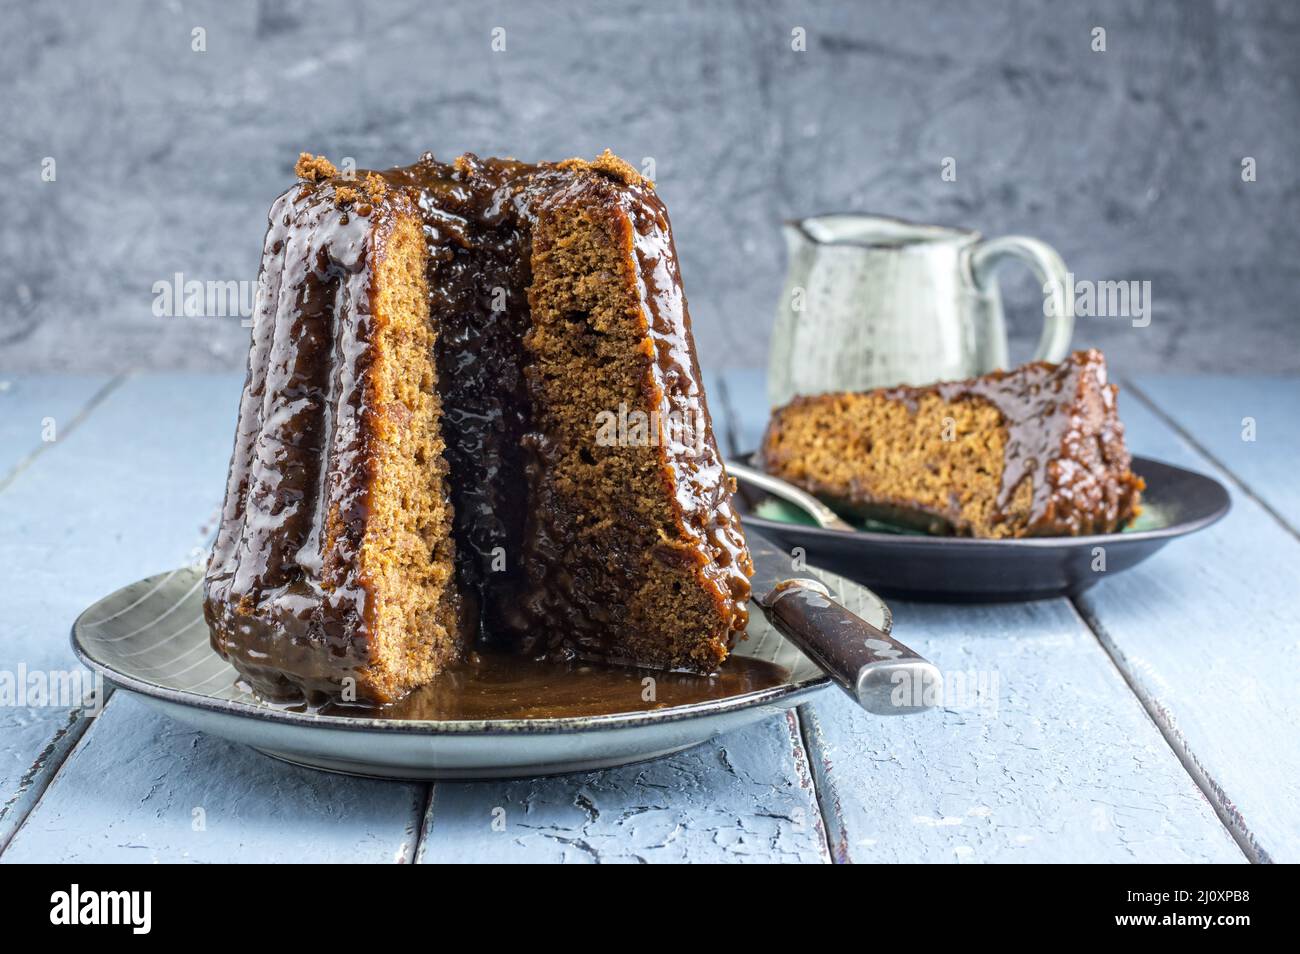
<point x="1128" y="161"/>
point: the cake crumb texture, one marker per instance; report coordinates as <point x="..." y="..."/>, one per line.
<point x="406" y="556"/>
<point x="314" y="168"/>
<point x="630" y="564"/>
<point x="611" y="166"/>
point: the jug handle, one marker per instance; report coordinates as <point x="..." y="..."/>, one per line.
<point x="1046" y="264"/>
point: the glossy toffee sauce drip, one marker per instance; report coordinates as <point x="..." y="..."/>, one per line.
<point x="1050" y="413"/>
<point x="300" y="444"/>
<point x="281" y="586"/>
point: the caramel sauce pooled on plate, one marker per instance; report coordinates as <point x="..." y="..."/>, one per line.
<point x="499" y="685"/>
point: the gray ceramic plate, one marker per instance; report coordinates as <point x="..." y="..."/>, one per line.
<point x="150" y="638"/>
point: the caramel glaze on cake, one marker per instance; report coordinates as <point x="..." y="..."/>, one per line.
<point x="416" y="464"/>
<point x="1037" y="451"/>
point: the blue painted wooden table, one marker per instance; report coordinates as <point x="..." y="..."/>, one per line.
<point x="1156" y="718"/>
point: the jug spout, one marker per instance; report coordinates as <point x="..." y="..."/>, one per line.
<point x="796" y="239"/>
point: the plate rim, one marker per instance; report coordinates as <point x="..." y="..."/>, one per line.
<point x="450" y="727"/>
<point x="931" y="542"/>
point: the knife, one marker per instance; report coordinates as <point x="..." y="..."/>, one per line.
<point x="877" y="671"/>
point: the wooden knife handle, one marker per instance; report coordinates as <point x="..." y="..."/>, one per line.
<point x="877" y="671"/>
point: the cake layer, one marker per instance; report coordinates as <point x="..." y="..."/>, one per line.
<point x="545" y="299"/>
<point x="331" y="570"/>
<point x="1037" y="451"/>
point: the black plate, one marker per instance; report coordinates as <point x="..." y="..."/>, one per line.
<point x="960" y="569"/>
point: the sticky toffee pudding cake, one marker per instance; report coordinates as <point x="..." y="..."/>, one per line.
<point x="1036" y="451"/>
<point x="417" y="465"/>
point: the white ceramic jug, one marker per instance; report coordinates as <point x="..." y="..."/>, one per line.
<point x="873" y="302"/>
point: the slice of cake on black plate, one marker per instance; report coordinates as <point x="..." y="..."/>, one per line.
<point x="1036" y="451"/>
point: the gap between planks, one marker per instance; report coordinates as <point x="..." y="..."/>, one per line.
<point x="426" y="822"/>
<point x="86" y="410"/>
<point x="823" y="796"/>
<point x="40" y="774"/>
<point x="568" y="788"/>
<point x="1194" y="445"/>
<point x="1213" y="792"/>
<point x="826" y="802"/>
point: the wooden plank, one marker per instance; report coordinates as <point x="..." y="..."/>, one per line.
<point x="1250" y="426"/>
<point x="1052" y="759"/>
<point x="745" y="797"/>
<point x="1206" y="631"/>
<point x="133" y="491"/>
<point x="142" y="788"/>
<point x="36" y="409"/>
